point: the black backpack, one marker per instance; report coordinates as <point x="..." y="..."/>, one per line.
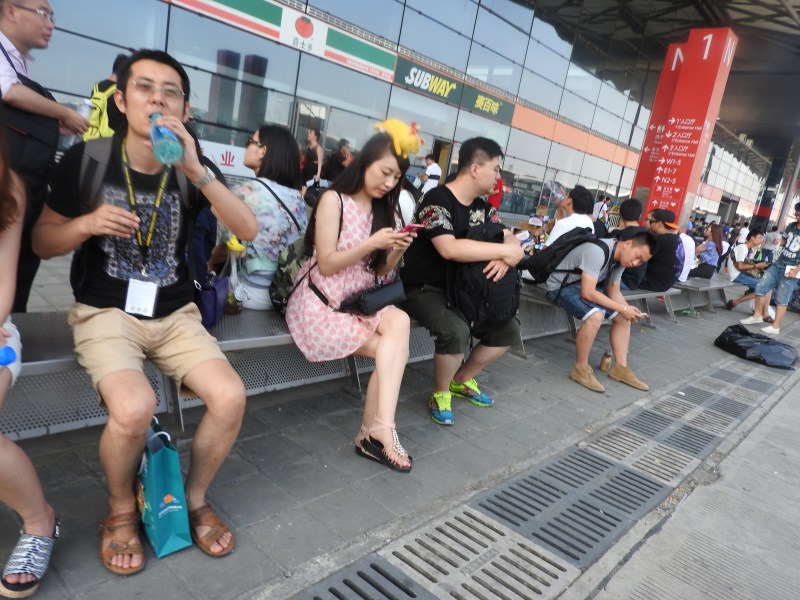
<point x="545" y="262"/>
<point x="485" y="302"/>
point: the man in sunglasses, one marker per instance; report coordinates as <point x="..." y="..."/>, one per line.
<point x="134" y="295"/>
<point x="27" y="25"/>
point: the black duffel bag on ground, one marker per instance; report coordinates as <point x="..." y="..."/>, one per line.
<point x="760" y="348"/>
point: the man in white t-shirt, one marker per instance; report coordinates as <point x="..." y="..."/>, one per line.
<point x="578" y="208"/>
<point x="600" y="209"/>
<point x="739" y="268"/>
<point x="433" y="173"/>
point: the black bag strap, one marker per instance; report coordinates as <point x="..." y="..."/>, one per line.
<point x="8" y="58"/>
<point x="317" y="292"/>
<point x="288" y="212"/>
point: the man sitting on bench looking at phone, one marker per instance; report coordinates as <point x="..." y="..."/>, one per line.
<point x="574" y="287"/>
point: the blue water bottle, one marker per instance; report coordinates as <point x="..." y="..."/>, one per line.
<point x="7" y="356"/>
<point x="166" y="147"/>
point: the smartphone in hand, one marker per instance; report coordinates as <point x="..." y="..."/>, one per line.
<point x="411" y="228"/>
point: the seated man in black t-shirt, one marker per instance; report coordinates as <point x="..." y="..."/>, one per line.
<point x="134" y="298"/>
<point x="447" y="212"/>
<point x="666" y="265"/>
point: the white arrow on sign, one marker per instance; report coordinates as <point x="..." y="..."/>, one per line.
<point x="672" y="121"/>
<point x="665" y="147"/>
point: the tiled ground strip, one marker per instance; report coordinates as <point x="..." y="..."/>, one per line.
<point x="530" y="536"/>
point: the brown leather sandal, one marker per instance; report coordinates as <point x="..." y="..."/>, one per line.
<point x="206" y="517"/>
<point x="115" y="531"/>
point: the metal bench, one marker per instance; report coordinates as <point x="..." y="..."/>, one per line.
<point x="54" y="393"/>
<point x="699" y="292"/>
<point x="640" y="298"/>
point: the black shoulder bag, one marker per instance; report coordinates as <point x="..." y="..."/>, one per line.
<point x="32" y="138"/>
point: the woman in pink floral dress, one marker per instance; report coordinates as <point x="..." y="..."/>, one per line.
<point x="363" y="199"/>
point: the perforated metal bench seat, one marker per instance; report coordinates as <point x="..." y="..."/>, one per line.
<point x="641" y="298"/>
<point x="54" y="393"/>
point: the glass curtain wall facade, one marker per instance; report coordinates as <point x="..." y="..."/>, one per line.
<point x="569" y="125"/>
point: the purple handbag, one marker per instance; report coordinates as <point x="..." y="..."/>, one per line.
<point x="211" y="297"/>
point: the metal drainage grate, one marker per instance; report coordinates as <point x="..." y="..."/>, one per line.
<point x="768" y="374"/>
<point x="648" y="423"/>
<point x="713" y="421"/>
<point x="745" y="395"/>
<point x="665" y="463"/>
<point x="692" y="440"/>
<point x="694" y="394"/>
<point x="576" y="468"/>
<point x="756" y="385"/>
<point x="580" y="532"/>
<point x="630" y="493"/>
<point x="673" y="407"/>
<point x="522" y="499"/>
<point x="617" y="443"/>
<point x="712" y="384"/>
<point x="464" y="555"/>
<point x="732" y="408"/>
<point x="725" y="375"/>
<point x="371" y="578"/>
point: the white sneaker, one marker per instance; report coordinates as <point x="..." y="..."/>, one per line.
<point x="771" y="329"/>
<point x="752" y="321"/>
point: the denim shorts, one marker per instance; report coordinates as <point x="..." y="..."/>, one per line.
<point x="571" y="301"/>
<point x="773" y="278"/>
<point x="748" y="280"/>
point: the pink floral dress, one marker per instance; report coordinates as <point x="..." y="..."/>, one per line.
<point x="319" y="331"/>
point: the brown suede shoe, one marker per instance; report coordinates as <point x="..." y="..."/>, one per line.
<point x="626" y="375"/>
<point x="585" y="376"/>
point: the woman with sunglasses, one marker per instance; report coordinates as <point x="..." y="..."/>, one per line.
<point x="275" y="200"/>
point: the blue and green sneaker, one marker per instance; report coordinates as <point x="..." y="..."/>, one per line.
<point x="441" y="411"/>
<point x="469" y="391"/>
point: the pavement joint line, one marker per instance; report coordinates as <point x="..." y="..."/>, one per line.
<point x="593" y="580"/>
<point x="321" y="567"/>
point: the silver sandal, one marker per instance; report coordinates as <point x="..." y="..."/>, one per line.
<point x="31" y="556"/>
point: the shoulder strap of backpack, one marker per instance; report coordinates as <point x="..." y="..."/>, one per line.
<point x="288" y="212"/>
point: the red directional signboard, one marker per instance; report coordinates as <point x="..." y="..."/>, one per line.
<point x="669" y="172"/>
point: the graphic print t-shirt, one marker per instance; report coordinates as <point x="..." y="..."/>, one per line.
<point x="111" y="259"/>
<point x="790" y="256"/>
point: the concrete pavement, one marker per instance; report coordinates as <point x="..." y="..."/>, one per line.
<point x="303" y="505"/>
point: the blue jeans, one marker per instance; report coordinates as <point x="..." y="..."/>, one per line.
<point x="772" y="279"/>
<point x="571" y="301"/>
<point x="748" y="280"/>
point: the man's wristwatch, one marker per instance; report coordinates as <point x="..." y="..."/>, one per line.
<point x="205" y="179"/>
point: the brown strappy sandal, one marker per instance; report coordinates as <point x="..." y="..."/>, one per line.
<point x="373" y="448"/>
<point x="206" y="517"/>
<point x="115" y="530"/>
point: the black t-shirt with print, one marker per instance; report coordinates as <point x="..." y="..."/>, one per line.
<point x="441" y="213"/>
<point x="111" y="260"/>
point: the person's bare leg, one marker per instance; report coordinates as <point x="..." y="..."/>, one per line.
<point x="445" y="367"/>
<point x="620" y="337"/>
<point x="585" y="338"/>
<point x="780" y="311"/>
<point x="480" y="358"/>
<point x="389" y="346"/>
<point x="131" y="403"/>
<point x="222" y="391"/>
<point x="20" y="489"/>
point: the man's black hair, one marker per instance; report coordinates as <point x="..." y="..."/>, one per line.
<point x="774" y="228"/>
<point x="646" y="238"/>
<point x="121" y="58"/>
<point x="430" y="157"/>
<point x="630" y="210"/>
<point x="342" y="143"/>
<point x="754" y="232"/>
<point x="158" y="56"/>
<point x="582" y="201"/>
<point x="478" y="150"/>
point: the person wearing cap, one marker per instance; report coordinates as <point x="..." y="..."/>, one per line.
<point x="667" y="263"/>
<point x="781" y="277"/>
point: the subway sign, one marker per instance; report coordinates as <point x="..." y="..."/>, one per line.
<point x="427" y="81"/>
<point x="434" y="84"/>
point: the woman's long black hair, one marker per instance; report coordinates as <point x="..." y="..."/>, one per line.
<point x="9" y="206"/>
<point x="351" y="180"/>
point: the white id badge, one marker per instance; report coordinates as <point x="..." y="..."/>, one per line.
<point x="142" y="295"/>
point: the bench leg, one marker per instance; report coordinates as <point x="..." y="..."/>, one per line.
<point x="710" y="294"/>
<point x="174" y="401"/>
<point x="573" y="329"/>
<point x="352" y="371"/>
<point x="643" y="307"/>
<point x="670" y="310"/>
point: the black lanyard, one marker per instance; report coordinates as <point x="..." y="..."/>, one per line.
<point x="144" y="245"/>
